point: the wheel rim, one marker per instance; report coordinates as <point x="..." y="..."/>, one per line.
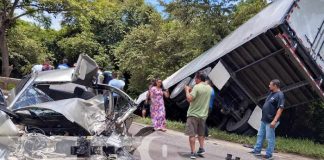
<point x="241" y="125"/>
<point x="180" y="87"/>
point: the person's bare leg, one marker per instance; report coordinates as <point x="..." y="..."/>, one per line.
<point x="192" y="140"/>
<point x="201" y="140"/>
<point x="144" y="113"/>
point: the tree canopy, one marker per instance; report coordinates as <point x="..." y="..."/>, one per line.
<point x="131" y="36"/>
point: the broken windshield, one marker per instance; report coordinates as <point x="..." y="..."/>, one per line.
<point x="31" y="96"/>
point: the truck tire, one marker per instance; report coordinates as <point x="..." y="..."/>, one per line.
<point x="178" y="93"/>
<point x="183" y="104"/>
<point x="250" y="132"/>
<point x="240" y="126"/>
<point x="181" y="97"/>
<point x="222" y="123"/>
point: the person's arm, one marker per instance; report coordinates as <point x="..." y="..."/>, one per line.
<point x="275" y="120"/>
<point x="188" y="95"/>
<point x="166" y="93"/>
<point x="147" y="97"/>
<point x="122" y="84"/>
<point x="152" y="90"/>
<point x="279" y="111"/>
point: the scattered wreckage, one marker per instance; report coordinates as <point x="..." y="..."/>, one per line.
<point x="63" y="114"/>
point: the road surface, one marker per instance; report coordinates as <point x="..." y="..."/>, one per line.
<point x="172" y="145"/>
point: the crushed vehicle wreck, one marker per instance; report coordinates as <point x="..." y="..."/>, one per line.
<point x="284" y="41"/>
<point x="62" y="113"/>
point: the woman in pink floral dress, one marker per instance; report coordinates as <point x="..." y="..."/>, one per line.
<point x="157" y="106"/>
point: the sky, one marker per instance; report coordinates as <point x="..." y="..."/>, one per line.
<point x="56" y="21"/>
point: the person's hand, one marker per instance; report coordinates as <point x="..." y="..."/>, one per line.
<point x="273" y="124"/>
<point x="187" y="88"/>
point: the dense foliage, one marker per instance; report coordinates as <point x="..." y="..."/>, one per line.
<point x="131" y="36"/>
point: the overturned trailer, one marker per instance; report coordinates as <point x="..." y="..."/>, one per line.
<point x="284" y="41"/>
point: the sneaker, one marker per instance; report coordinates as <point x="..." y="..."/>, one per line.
<point x="201" y="151"/>
<point x="192" y="155"/>
<point x="255" y="153"/>
<point x="267" y="157"/>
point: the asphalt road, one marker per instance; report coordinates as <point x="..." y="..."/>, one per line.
<point x="172" y="145"/>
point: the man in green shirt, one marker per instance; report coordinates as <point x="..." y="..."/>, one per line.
<point x="198" y="98"/>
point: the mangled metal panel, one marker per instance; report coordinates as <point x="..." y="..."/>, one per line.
<point x="39" y="146"/>
<point x="85" y="71"/>
<point x="87" y="113"/>
<point x="268" y="18"/>
<point x="7" y="128"/>
<point x="59" y="75"/>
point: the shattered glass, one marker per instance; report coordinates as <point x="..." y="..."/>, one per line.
<point x="31" y="96"/>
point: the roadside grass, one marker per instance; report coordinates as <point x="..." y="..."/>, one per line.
<point x="302" y="147"/>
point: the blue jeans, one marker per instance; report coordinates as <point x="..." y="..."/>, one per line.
<point x="265" y="131"/>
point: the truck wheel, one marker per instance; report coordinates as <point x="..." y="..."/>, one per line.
<point x="241" y="125"/>
<point x="222" y="123"/>
<point x="250" y="132"/>
<point x="178" y="93"/>
<point x="180" y="97"/>
<point x="183" y="104"/>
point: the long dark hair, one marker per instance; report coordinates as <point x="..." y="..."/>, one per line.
<point x="155" y="82"/>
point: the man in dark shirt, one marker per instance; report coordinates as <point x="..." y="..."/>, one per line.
<point x="271" y="112"/>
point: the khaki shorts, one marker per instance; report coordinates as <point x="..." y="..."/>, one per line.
<point x="195" y="126"/>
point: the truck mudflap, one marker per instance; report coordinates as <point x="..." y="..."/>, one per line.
<point x="219" y="75"/>
<point x="255" y="118"/>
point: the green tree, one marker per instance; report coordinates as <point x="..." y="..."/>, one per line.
<point x="245" y="10"/>
<point x="97" y="29"/>
<point x="163" y="46"/>
<point x="156" y="50"/>
<point x="211" y="17"/>
<point x="33" y="8"/>
<point x="82" y="43"/>
<point x="26" y="43"/>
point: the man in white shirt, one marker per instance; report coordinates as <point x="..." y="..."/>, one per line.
<point x="37" y="68"/>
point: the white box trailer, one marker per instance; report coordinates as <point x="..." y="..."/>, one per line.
<point x="284" y="41"/>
